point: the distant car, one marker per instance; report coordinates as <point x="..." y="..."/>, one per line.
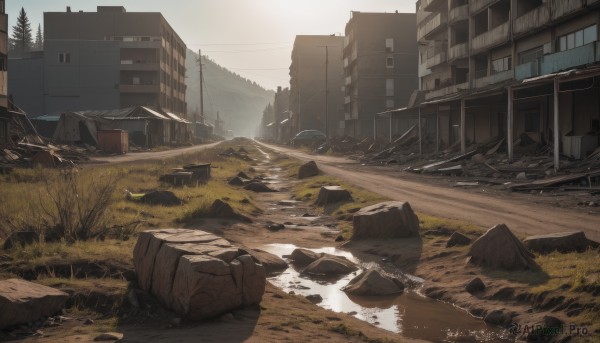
<point x="308" y="137"/>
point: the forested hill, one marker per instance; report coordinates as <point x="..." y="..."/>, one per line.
<point x="239" y="101"/>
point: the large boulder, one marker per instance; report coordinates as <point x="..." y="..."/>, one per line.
<point x="24" y="302"/>
<point x="329" y="265"/>
<point x="563" y="242"/>
<point x="372" y="282"/>
<point x="272" y="263"/>
<point x="499" y="248"/>
<point x="332" y="194"/>
<point x="308" y="169"/>
<point x="197" y="274"/>
<point x="303" y="257"/>
<point x="392" y="219"/>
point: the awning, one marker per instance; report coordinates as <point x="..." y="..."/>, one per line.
<point x="154" y="113"/>
<point x="177" y="118"/>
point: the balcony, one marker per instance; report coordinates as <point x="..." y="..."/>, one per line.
<point x="564" y="60"/>
<point x="478" y="5"/>
<point x="436" y="55"/>
<point x="129" y="65"/>
<point x="458" y="51"/>
<point x="429" y="5"/>
<point x="458" y="13"/>
<point x="493" y="37"/>
<point x="532" y="20"/>
<point x="561" y="8"/>
<point x="446" y="91"/>
<point x="494" y="78"/>
<point x="129" y="88"/>
<point x="435" y="22"/>
<point x="527" y="70"/>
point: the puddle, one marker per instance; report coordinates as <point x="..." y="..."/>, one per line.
<point x="411" y="314"/>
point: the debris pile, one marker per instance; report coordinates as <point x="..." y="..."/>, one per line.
<point x="189" y="175"/>
<point x="241" y="154"/>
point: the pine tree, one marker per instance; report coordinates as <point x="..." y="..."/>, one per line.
<point x="22" y="34"/>
<point x="39" y="39"/>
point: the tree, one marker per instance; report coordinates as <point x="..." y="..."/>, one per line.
<point x="39" y="39"/>
<point x="22" y="34"/>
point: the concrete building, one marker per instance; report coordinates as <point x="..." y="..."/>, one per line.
<point x="3" y="56"/>
<point x="103" y="60"/>
<point x="380" y="59"/>
<point x="508" y="68"/>
<point x="311" y="57"/>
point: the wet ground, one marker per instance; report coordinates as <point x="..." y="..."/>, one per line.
<point x="410" y="314"/>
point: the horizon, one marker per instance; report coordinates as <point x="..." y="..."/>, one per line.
<point x="265" y="61"/>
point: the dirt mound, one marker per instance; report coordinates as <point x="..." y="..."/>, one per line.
<point x="499" y="248"/>
<point x="221" y="209"/>
<point x="238" y="181"/>
<point x="163" y="198"/>
<point x="21" y="238"/>
<point x="258" y="187"/>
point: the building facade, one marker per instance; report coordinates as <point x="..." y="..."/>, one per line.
<point x="314" y="58"/>
<point x="380" y="55"/>
<point x="508" y="68"/>
<point x="3" y="55"/>
<point x="106" y="60"/>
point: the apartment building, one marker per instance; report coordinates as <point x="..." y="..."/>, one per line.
<point x="317" y="62"/>
<point x="380" y="58"/>
<point x="104" y="60"/>
<point x="3" y="55"/>
<point x="507" y="68"/>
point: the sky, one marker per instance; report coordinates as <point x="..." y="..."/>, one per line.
<point x="253" y="38"/>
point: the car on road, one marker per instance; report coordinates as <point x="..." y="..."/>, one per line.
<point x="308" y="137"/>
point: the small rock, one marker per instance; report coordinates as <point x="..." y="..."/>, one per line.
<point x="109" y="336"/>
<point x="495" y="317"/>
<point x="458" y="239"/>
<point x="314" y="298"/>
<point x="352" y="313"/>
<point x="475" y="285"/>
<point x="340" y="238"/>
<point x="88" y="322"/>
<point x="292" y="293"/>
<point x="552" y="322"/>
<point x="276" y="227"/>
<point x="522" y="176"/>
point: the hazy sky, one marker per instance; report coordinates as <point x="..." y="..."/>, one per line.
<point x="251" y="37"/>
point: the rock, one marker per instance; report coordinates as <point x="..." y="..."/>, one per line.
<point x="164" y="198"/>
<point x="21" y="238"/>
<point x="329" y="265"/>
<point x="552" y="322"/>
<point x="238" y="181"/>
<point x="314" y="298"/>
<point x="275" y="227"/>
<point x="563" y="242"/>
<point x="258" y="187"/>
<point x="303" y="257"/>
<point x="272" y="263"/>
<point x="243" y="175"/>
<point x="522" y="176"/>
<point x="308" y="169"/>
<point x="499" y="248"/>
<point x="332" y="194"/>
<point x="371" y="283"/>
<point x="458" y="239"/>
<point x="495" y="317"/>
<point x="475" y="285"/>
<point x="109" y="336"/>
<point x="88" y="322"/>
<point x="221" y="209"/>
<point x="197" y="274"/>
<point x="390" y="219"/>
<point x="26" y="302"/>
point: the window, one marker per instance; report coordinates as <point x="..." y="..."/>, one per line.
<point x="501" y="64"/>
<point x="64" y="57"/>
<point x="578" y="38"/>
<point x="532" y="55"/>
<point x="389" y="44"/>
<point x="389" y="62"/>
<point x="389" y="87"/>
<point x="389" y="104"/>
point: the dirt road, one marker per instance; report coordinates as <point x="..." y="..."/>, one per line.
<point x="521" y="215"/>
<point x="150" y="155"/>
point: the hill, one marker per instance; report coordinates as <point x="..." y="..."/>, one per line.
<point x="239" y="101"/>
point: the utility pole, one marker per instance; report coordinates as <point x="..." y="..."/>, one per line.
<point x="201" y="87"/>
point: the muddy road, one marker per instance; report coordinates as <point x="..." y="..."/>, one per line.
<point x="151" y="155"/>
<point x="518" y="212"/>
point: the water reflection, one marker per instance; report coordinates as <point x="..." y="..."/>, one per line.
<point x="410" y="314"/>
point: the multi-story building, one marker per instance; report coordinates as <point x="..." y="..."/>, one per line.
<point x="507" y="68"/>
<point x="380" y="58"/>
<point x="312" y="58"/>
<point x="3" y="55"/>
<point x="105" y="60"/>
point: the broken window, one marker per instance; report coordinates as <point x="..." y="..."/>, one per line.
<point x="389" y="62"/>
